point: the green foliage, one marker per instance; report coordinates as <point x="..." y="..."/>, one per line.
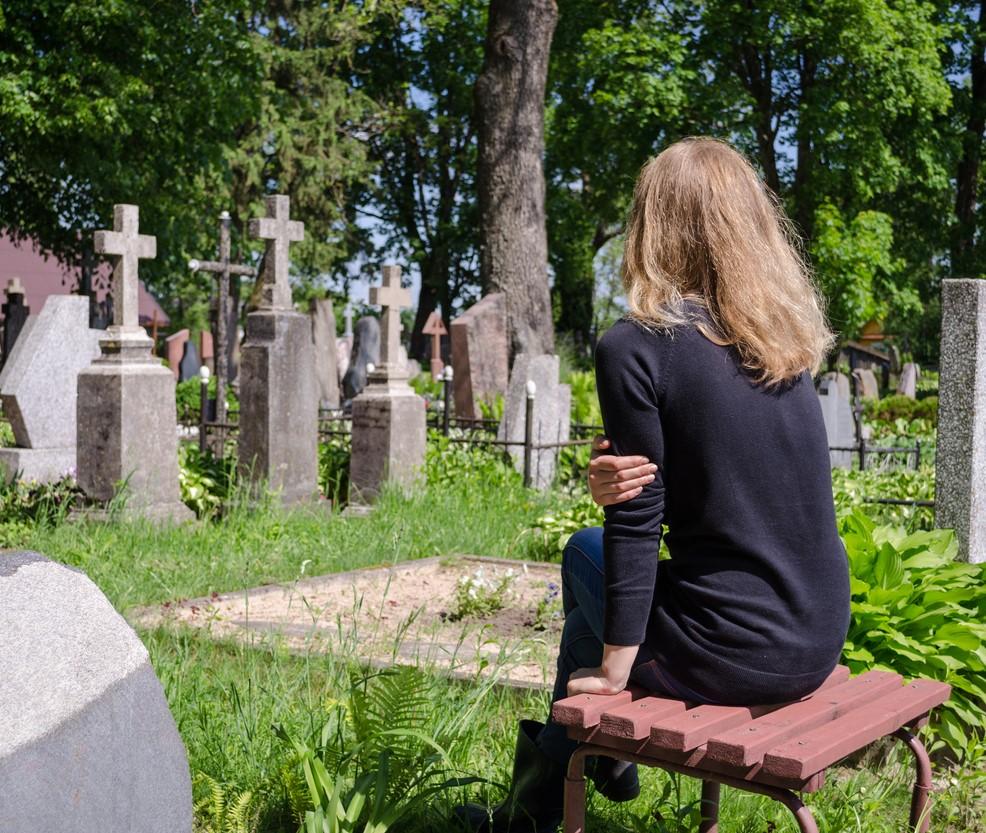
<point x="27" y="505"/>
<point x="333" y="468"/>
<point x="479" y="595"/>
<point x="431" y="389"/>
<point x="188" y="398"/>
<point x="224" y="810"/>
<point x="585" y="403"/>
<point x="205" y="481"/>
<point x="464" y="466"/>
<point x="915" y="610"/>
<point x="892" y="408"/>
<point x="491" y="407"/>
<point x="851" y="487"/>
<point x="6" y="435"/>
<point x="549" y="533"/>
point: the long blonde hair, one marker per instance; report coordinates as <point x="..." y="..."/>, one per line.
<point x="705" y="227"/>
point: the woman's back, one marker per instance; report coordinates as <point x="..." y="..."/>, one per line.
<point x="754" y="604"/>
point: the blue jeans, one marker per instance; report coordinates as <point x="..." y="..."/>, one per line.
<point x="582" y="636"/>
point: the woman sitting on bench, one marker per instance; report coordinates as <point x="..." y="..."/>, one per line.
<point x="713" y="430"/>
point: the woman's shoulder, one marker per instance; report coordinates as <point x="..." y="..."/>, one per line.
<point x="630" y="334"/>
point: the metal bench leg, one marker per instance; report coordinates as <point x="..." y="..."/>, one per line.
<point x="921" y="796"/>
<point x="710" y="807"/>
<point x="574" y="807"/>
<point x="802" y="815"/>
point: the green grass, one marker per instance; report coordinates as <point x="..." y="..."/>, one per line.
<point x="234" y="704"/>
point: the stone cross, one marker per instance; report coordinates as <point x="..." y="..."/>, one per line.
<point x="15" y="315"/>
<point x="15" y="287"/>
<point x="280" y="231"/>
<point x="392" y="297"/>
<point x="224" y="270"/>
<point x="127" y="247"/>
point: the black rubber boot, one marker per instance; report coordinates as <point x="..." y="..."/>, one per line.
<point x="534" y="801"/>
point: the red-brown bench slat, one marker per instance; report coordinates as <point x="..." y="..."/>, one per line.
<point x="695" y="726"/>
<point x="634" y="720"/>
<point x="821" y="747"/>
<point x="838" y="676"/>
<point x="584" y="710"/>
<point x="746" y="745"/>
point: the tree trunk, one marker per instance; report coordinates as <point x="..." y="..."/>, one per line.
<point x="510" y="177"/>
<point x="967" y="176"/>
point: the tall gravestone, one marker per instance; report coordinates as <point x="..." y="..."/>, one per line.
<point x="907" y="385"/>
<point x="15" y="315"/>
<point x="127" y="425"/>
<point x="278" y="443"/>
<point x="38" y="387"/>
<point x="960" y="468"/>
<point x="551" y="418"/>
<point x="189" y="366"/>
<point x="324" y="340"/>
<point x="389" y="420"/>
<point x="88" y="743"/>
<point x="207" y="352"/>
<point x="869" y="387"/>
<point x="480" y="355"/>
<point x="840" y="427"/>
<point x="174" y="349"/>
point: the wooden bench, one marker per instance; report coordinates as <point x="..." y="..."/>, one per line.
<point x="776" y="751"/>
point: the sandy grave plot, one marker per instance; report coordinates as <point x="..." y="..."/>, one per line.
<point x="403" y="614"/>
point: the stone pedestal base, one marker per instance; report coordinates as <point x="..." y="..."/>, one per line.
<point x="128" y="437"/>
<point x="388" y="441"/>
<point x="44" y="465"/>
<point x="278" y="442"/>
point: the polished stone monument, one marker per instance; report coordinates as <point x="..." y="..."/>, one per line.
<point x="480" y="355"/>
<point x="389" y="425"/>
<point x="278" y="443"/>
<point x="127" y="425"/>
<point x="960" y="461"/>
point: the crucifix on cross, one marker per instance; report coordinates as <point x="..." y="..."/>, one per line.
<point x="224" y="270"/>
<point x="392" y="297"/>
<point x="127" y="247"/>
<point x="279" y="231"/>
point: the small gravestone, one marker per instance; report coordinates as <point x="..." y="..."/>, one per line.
<point x="128" y="431"/>
<point x="480" y="355"/>
<point x="867" y="384"/>
<point x="839" y="423"/>
<point x="38" y="388"/>
<point x="908" y="383"/>
<point x="552" y="415"/>
<point x="174" y="349"/>
<point x="88" y="742"/>
<point x="324" y="340"/>
<point x="365" y="351"/>
<point x="278" y="442"/>
<point x="389" y="420"/>
<point x="15" y="316"/>
<point x="960" y="461"/>
<point x="842" y="383"/>
<point x="189" y="366"/>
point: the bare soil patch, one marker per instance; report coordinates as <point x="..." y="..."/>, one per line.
<point x="403" y="614"/>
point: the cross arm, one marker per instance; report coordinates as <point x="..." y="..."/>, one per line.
<point x="218" y="266"/>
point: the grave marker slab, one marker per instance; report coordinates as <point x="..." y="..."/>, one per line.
<point x="869" y="388"/>
<point x="840" y="427"/>
<point x="908" y="383"/>
<point x="38" y="387"/>
<point x="88" y="742"/>
<point x="552" y="415"/>
<point x="960" y="483"/>
<point x="480" y="355"/>
<point x="435" y="328"/>
<point x="278" y="443"/>
<point x="324" y="340"/>
<point x="174" y="349"/>
<point x="189" y="366"/>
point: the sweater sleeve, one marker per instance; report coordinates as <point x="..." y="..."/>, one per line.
<point x="627" y="386"/>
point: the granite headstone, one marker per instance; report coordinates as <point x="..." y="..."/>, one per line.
<point x="480" y="355"/>
<point x="552" y="415"/>
<point x="38" y="388"/>
<point x="88" y="742"/>
<point x="324" y="340"/>
<point x="15" y="316"/>
<point x="174" y="349"/>
<point x="960" y="482"/>
<point x="839" y="423"/>
<point x="867" y="383"/>
<point x="907" y="385"/>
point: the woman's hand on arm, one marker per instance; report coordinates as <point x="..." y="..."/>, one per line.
<point x="614" y="479"/>
<point x="609" y="678"/>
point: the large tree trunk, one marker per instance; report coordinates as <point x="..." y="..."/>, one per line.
<point x="967" y="176"/>
<point x="510" y="119"/>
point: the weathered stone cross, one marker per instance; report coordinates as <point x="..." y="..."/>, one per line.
<point x="223" y="270"/>
<point x="126" y="246"/>
<point x="280" y="231"/>
<point x="392" y="297"/>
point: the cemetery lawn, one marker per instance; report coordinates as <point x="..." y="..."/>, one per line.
<point x="242" y="709"/>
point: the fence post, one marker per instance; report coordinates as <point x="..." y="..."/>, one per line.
<point x="204" y="374"/>
<point x="862" y="453"/>
<point x="917" y="454"/>
<point x="529" y="431"/>
<point x="447" y="392"/>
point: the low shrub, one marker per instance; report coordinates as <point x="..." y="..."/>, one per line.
<point x="26" y="505"/>
<point x="892" y="408"/>
<point x="333" y="468"/>
<point x="205" y="481"/>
